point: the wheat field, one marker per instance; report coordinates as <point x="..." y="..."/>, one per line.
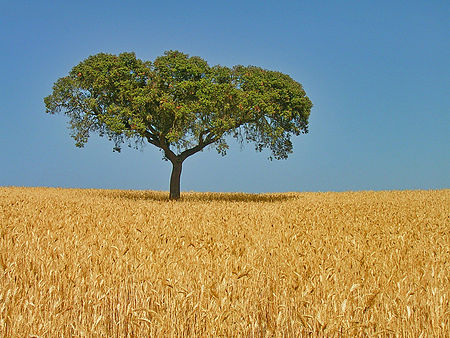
<point x="111" y="263"/>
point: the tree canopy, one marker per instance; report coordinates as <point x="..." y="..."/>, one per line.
<point x="180" y="104"/>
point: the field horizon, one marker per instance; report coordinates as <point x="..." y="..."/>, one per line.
<point x="225" y="193"/>
<point x="109" y="262"/>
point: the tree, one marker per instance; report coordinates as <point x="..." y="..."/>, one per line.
<point x="181" y="105"/>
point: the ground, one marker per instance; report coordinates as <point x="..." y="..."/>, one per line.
<point x="118" y="263"/>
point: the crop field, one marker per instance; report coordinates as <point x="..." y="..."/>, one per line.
<point x="118" y="263"/>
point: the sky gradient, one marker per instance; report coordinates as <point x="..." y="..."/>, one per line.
<point x="377" y="73"/>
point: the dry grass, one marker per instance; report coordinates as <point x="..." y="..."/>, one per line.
<point x="129" y="263"/>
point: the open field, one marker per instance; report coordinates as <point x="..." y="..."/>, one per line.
<point x="117" y="263"/>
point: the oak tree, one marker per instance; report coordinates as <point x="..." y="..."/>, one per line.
<point x="181" y="105"/>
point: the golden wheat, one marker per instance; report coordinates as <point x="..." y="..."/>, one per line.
<point x="132" y="263"/>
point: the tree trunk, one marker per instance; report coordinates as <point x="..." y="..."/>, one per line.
<point x="175" y="180"/>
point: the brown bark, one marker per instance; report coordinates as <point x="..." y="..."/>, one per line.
<point x="177" y="160"/>
<point x="175" y="180"/>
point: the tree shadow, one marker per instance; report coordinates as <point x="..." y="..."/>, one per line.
<point x="163" y="196"/>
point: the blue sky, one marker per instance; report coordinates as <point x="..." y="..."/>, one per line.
<point x="377" y="72"/>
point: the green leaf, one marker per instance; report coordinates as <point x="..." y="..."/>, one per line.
<point x="180" y="103"/>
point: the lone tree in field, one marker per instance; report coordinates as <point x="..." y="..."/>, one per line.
<point x="181" y="105"/>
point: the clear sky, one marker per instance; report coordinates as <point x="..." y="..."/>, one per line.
<point x="377" y="72"/>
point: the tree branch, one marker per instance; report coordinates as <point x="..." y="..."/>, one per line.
<point x="201" y="145"/>
<point x="167" y="151"/>
<point x="152" y="139"/>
